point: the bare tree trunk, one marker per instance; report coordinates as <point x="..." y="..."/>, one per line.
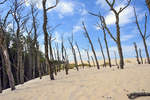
<point x="93" y="61"/>
<point x="107" y="49"/>
<point x="116" y="39"/>
<point x="51" y="54"/>
<point x="46" y="36"/>
<point x="136" y="51"/>
<point x="21" y="67"/>
<point x="146" y="51"/>
<point x="88" y="58"/>
<point x="116" y="60"/>
<point x="3" y="69"/>
<point x="38" y="63"/>
<point x="5" y="79"/>
<point x="66" y="62"/>
<point x="0" y="79"/>
<point x="143" y="35"/>
<point x="7" y="60"/>
<point x="74" y="55"/>
<point x="104" y="65"/>
<point x="58" y="57"/>
<point x="30" y="64"/>
<point x="80" y="55"/>
<point x="92" y="47"/>
<point x="140" y="53"/>
<point x="120" y="55"/>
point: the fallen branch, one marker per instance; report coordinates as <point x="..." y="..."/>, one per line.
<point x="136" y="95"/>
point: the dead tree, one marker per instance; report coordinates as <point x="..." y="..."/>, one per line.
<point x="106" y="43"/>
<point x="89" y="63"/>
<point x="35" y="42"/>
<point x="117" y="39"/>
<point x="104" y="65"/>
<point x="93" y="61"/>
<point x="148" y="4"/>
<point x="140" y="53"/>
<point x="4" y="51"/>
<point x="136" y="51"/>
<point x="0" y="74"/>
<point x="58" y="57"/>
<point x="91" y="44"/>
<point x="45" y="9"/>
<point x="20" y="20"/>
<point x="143" y="35"/>
<point x="0" y="79"/>
<point x="64" y="56"/>
<point x="51" y="53"/>
<point x="116" y="60"/>
<point x="80" y="55"/>
<point x="29" y="42"/>
<point x="66" y="61"/>
<point x="74" y="54"/>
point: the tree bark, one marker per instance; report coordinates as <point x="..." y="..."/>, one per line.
<point x="120" y="55"/>
<point x="7" y="60"/>
<point x="80" y="55"/>
<point x="143" y="35"/>
<point x="104" y="65"/>
<point x="136" y="51"/>
<point x="74" y="55"/>
<point x="0" y="79"/>
<point x="46" y="39"/>
<point x="140" y="53"/>
<point x="92" y="47"/>
<point x="116" y="60"/>
<point x="88" y="58"/>
<point x="93" y="61"/>
<point x="146" y="51"/>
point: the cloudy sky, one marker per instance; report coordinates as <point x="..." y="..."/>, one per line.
<point x="70" y="14"/>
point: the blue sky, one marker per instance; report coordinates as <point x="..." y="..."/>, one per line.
<point x="70" y="14"/>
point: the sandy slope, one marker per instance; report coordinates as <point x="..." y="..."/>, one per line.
<point x="88" y="84"/>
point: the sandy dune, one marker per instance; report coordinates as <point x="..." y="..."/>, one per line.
<point x="87" y="84"/>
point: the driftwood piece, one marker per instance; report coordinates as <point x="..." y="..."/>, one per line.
<point x="137" y="94"/>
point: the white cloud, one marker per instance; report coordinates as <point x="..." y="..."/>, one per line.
<point x="76" y="28"/>
<point x="126" y="37"/>
<point x="65" y="8"/>
<point x="84" y="12"/>
<point x="102" y="3"/>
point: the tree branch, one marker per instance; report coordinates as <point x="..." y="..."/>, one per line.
<point x="121" y="9"/>
<point x="57" y="1"/>
<point x="145" y="25"/>
<point x="3" y="2"/>
<point x="137" y="23"/>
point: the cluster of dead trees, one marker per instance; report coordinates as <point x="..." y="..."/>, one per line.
<point x="20" y="57"/>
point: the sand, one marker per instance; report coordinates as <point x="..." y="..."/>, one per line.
<point x="87" y="84"/>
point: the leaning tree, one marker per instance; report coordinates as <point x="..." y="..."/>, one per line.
<point x="143" y="34"/>
<point x="91" y="44"/>
<point x="5" y="54"/>
<point x="45" y="10"/>
<point x="117" y="38"/>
